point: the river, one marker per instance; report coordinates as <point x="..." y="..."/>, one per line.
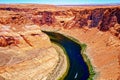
<point x="78" y="69"/>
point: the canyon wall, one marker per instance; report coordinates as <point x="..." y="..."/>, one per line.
<point x="100" y="30"/>
<point x="105" y="19"/>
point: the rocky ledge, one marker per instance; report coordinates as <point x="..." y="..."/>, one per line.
<point x="104" y="18"/>
<point x="97" y="26"/>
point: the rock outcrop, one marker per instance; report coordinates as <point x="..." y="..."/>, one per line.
<point x="102" y="18"/>
<point x="97" y="26"/>
<point x="26" y="54"/>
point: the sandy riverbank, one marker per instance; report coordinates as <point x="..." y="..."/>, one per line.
<point x="62" y="66"/>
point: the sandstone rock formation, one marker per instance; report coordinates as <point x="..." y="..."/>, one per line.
<point x="97" y="26"/>
<point x="27" y="54"/>
<point x="102" y="18"/>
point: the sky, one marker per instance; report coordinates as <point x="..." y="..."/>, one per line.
<point x="62" y="2"/>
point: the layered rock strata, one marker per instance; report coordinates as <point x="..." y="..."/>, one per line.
<point x="97" y="26"/>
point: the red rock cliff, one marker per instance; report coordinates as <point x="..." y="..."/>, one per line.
<point x="102" y="18"/>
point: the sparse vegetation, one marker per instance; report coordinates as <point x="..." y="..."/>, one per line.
<point x="85" y="57"/>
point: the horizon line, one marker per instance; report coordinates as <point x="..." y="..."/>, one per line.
<point x="66" y="4"/>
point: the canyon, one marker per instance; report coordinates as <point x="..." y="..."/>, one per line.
<point x="96" y="26"/>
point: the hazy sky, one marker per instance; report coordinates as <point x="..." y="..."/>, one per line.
<point x="60" y="2"/>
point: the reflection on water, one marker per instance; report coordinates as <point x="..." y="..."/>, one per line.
<point x="78" y="68"/>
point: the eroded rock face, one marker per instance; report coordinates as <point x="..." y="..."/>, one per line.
<point x="105" y="19"/>
<point x="102" y="18"/>
<point x="96" y="16"/>
<point x="26" y="52"/>
<point x="4" y="59"/>
<point x="16" y="22"/>
<point x="47" y="18"/>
